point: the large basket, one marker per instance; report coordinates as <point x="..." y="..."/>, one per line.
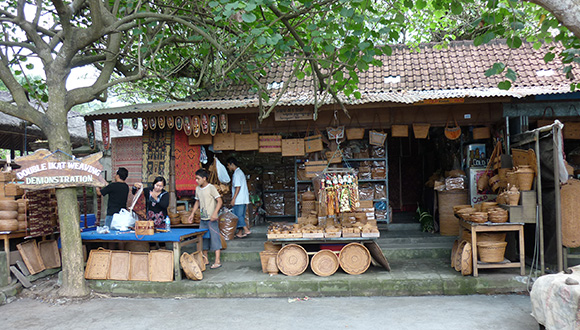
<point x="570" y="213"/>
<point x="265" y="256"/>
<point x="324" y="263"/>
<point x="355" y="133"/>
<point x="354" y="258"/>
<point x="377" y="138"/>
<point x="292" y="260"/>
<point x="120" y="265"/>
<point x="448" y="223"/>
<point x="190" y="267"/>
<point x="525" y="178"/>
<point x="491" y="251"/>
<point x="139" y="268"/>
<point x="97" y="265"/>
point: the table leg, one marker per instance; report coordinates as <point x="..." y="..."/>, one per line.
<point x="176" y="264"/>
<point x="522" y="252"/>
<point x="474" y="251"/>
<point x="7" y="250"/>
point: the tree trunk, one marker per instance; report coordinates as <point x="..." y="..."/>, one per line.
<point x="566" y="11"/>
<point x="73" y="281"/>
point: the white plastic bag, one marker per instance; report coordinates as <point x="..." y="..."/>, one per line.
<point x="222" y="172"/>
<point x="123" y="220"/>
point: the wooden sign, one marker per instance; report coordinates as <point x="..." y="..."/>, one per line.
<point x="43" y="170"/>
<point x="293" y="114"/>
<point x="441" y="101"/>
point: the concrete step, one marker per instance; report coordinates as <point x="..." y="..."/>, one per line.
<point x="246" y="279"/>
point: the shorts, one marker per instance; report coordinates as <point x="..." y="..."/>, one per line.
<point x="214" y="242"/>
<point x="240" y="212"/>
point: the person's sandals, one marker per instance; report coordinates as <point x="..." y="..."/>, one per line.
<point x="241" y="236"/>
<point x="214" y="266"/>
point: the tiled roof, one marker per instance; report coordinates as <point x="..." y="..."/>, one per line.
<point x="407" y="76"/>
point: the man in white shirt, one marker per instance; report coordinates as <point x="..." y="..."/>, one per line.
<point x="240" y="196"/>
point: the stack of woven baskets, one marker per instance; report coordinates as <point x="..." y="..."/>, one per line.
<point x="308" y="203"/>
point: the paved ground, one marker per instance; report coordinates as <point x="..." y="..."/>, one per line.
<point x="394" y="313"/>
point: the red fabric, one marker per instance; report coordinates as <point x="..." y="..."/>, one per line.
<point x="186" y="163"/>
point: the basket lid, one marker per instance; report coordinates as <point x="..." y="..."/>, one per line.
<point x="292" y="260"/>
<point x="324" y="263"/>
<point x="354" y="258"/>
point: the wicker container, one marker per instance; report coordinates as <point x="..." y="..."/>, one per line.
<point x="354" y="258"/>
<point x="491" y="251"/>
<point x="448" y="223"/>
<point x="264" y="257"/>
<point x="570" y="213"/>
<point x="144" y="228"/>
<point x="512" y="179"/>
<point x="486" y="206"/>
<point x="324" y="263"/>
<point x="292" y="260"/>
<point x="190" y="267"/>
<point x="525" y="176"/>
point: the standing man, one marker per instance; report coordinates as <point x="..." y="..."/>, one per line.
<point x="240" y="196"/>
<point x="118" y="191"/>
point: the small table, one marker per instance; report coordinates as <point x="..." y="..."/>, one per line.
<point x="177" y="236"/>
<point x="487" y="227"/>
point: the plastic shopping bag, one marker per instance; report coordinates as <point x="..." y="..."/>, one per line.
<point x="222" y="172"/>
<point x="123" y="220"/>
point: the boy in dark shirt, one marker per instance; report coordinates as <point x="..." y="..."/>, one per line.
<point x="118" y="192"/>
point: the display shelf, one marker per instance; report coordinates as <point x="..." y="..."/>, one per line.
<point x="349" y="163"/>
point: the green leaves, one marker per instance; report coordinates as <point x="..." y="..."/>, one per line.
<point x="504" y="85"/>
<point x="514" y="42"/>
<point x="497" y="68"/>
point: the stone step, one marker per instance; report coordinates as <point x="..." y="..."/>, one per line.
<point x="246" y="279"/>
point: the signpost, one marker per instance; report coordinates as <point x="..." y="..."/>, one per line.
<point x="44" y="170"/>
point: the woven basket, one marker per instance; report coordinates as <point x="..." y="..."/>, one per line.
<point x="308" y="206"/>
<point x="525" y="178"/>
<point x="324" y="263"/>
<point x="292" y="260"/>
<point x="448" y="224"/>
<point x="161" y="266"/>
<point x="144" y="228"/>
<point x="97" y="265"/>
<point x="399" y="130"/>
<point x="190" y="267"/>
<point x="512" y="179"/>
<point x="355" y="133"/>
<point x="458" y="252"/>
<point x="354" y="258"/>
<point x="421" y="131"/>
<point x="377" y="138"/>
<point x="466" y="260"/>
<point x="570" y="213"/>
<point x="264" y="257"/>
<point x="491" y="251"/>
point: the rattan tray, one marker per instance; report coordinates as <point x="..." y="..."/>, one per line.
<point x="292" y="260"/>
<point x="324" y="263"/>
<point x="354" y="258"/>
<point x="120" y="265"/>
<point x="161" y="266"/>
<point x="98" y="264"/>
<point x="49" y="253"/>
<point x="31" y="256"/>
<point x="139" y="267"/>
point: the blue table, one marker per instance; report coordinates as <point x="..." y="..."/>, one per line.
<point x="177" y="236"/>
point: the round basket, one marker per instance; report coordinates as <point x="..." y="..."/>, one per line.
<point x="491" y="251"/>
<point x="486" y="206"/>
<point x="354" y="258"/>
<point x="456" y="208"/>
<point x="8" y="205"/>
<point x="292" y="260"/>
<point x="8" y="225"/>
<point x="466" y="260"/>
<point x="512" y="179"/>
<point x="457" y="264"/>
<point x="453" y="252"/>
<point x="190" y="267"/>
<point x="498" y="218"/>
<point x="308" y="196"/>
<point x="324" y="263"/>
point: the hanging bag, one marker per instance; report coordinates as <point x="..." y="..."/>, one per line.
<point x="355" y="133"/>
<point x="247" y="142"/>
<point x="377" y="137"/>
<point x="421" y="130"/>
<point x="313" y="143"/>
<point x="334" y="130"/>
<point x="452" y="133"/>
<point x="399" y="130"/>
<point x="293" y="147"/>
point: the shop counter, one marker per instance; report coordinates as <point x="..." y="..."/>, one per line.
<point x="487" y="227"/>
<point x="178" y="237"/>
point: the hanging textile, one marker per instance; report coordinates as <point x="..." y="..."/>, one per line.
<point x="187" y="161"/>
<point x="127" y="152"/>
<point x="156" y="154"/>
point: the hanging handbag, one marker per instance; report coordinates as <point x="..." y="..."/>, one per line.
<point x="313" y="143"/>
<point x="355" y="133"/>
<point x="377" y="137"/>
<point x="245" y="142"/>
<point x="336" y="131"/>
<point x="421" y="130"/>
<point x="452" y="133"/>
